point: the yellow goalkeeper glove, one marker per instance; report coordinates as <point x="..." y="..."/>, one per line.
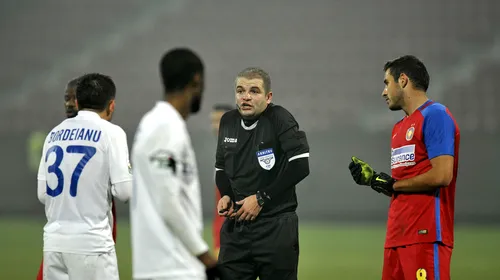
<point x="363" y="174"/>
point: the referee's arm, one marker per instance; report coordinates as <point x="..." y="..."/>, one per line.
<point x="221" y="179"/>
<point x="294" y="143"/>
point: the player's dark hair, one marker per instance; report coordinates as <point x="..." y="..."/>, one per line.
<point x="72" y="83"/>
<point x="94" y="91"/>
<point x="223" y="107"/>
<point x="178" y="68"/>
<point x="259" y="73"/>
<point x="411" y="67"/>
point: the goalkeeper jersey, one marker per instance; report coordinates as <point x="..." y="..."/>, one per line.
<point x="429" y="132"/>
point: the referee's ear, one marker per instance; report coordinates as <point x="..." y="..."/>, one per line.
<point x="269" y="97"/>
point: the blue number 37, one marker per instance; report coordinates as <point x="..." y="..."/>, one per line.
<point x="87" y="151"/>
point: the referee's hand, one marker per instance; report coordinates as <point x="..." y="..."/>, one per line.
<point x="249" y="210"/>
<point x="225" y="206"/>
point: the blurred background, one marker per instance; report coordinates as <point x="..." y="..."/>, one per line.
<point x="325" y="58"/>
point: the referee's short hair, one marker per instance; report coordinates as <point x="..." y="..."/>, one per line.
<point x="178" y="68"/>
<point x="257" y="73"/>
<point x="94" y="91"/>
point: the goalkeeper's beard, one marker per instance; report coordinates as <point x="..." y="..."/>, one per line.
<point x="395" y="103"/>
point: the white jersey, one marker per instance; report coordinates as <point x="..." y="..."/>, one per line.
<point x="82" y="158"/>
<point x="165" y="209"/>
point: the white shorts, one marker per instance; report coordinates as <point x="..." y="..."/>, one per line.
<point x="68" y="266"/>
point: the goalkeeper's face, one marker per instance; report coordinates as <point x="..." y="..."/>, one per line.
<point x="393" y="92"/>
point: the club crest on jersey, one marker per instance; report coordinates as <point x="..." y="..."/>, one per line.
<point x="266" y="158"/>
<point x="403" y="156"/>
<point x="409" y="133"/>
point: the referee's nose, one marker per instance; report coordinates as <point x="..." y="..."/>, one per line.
<point x="246" y="96"/>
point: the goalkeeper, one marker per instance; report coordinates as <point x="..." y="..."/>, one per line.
<point x="424" y="162"/>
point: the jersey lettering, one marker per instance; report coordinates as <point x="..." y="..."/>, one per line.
<point x="230" y="140"/>
<point x="75" y="134"/>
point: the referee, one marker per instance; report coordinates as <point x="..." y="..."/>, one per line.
<point x="261" y="156"/>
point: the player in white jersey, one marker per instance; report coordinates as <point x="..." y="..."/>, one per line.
<point x="84" y="163"/>
<point x="165" y="209"/>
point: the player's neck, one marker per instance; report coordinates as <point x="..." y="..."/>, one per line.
<point x="414" y="101"/>
<point x="178" y="103"/>
<point x="101" y="114"/>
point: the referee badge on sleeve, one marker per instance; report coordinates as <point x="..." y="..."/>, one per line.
<point x="266" y="158"/>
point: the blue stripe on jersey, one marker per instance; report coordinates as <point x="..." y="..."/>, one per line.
<point x="438" y="130"/>
<point x="437" y="208"/>
<point x="437" y="275"/>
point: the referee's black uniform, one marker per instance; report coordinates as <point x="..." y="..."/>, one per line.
<point x="268" y="155"/>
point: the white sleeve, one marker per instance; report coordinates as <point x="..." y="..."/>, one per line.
<point x="119" y="164"/>
<point x="122" y="190"/>
<point x="165" y="169"/>
<point x="42" y="190"/>
<point x="41" y="166"/>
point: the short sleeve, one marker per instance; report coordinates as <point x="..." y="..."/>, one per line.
<point x="41" y="175"/>
<point x="439" y="132"/>
<point x="41" y="168"/>
<point x="119" y="163"/>
<point x="283" y="120"/>
<point x="293" y="141"/>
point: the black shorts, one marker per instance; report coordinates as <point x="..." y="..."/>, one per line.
<point x="267" y="248"/>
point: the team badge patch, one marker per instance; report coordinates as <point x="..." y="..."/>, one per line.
<point x="409" y="133"/>
<point x="266" y="158"/>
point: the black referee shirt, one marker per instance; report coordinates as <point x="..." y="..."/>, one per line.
<point x="254" y="156"/>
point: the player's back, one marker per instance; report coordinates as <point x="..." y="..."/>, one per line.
<point x="76" y="167"/>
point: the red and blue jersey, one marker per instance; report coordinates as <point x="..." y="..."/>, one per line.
<point x="429" y="132"/>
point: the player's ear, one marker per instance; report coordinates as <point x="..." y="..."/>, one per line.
<point x="269" y="97"/>
<point x="403" y="80"/>
<point x="111" y="106"/>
